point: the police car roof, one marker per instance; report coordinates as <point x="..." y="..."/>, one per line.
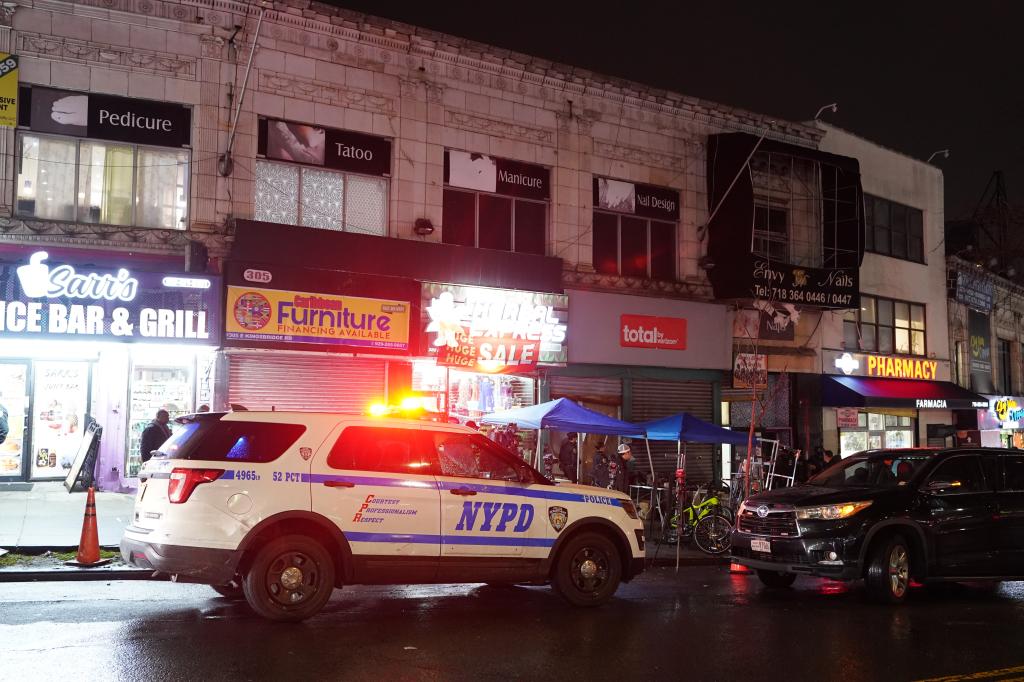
<point x="289" y="416"/>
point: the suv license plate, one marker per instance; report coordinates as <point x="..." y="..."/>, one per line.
<point x="761" y="546"/>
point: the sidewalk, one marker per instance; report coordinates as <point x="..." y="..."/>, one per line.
<point x="48" y="517"/>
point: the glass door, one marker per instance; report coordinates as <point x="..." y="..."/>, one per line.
<point x="14" y="393"/>
<point x="60" y="397"/>
<point x="156" y="387"/>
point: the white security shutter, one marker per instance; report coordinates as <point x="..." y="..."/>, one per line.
<point x="653" y="399"/>
<point x="306" y="383"/>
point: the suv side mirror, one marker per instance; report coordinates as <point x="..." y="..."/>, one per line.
<point x="941" y="486"/>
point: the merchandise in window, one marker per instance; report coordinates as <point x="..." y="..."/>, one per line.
<point x="633" y="246"/>
<point x="313" y="197"/>
<point x="490" y="221"/>
<point x="102" y="182"/>
<point x="893" y="229"/>
<point x="885" y="326"/>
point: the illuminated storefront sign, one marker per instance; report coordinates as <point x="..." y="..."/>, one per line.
<point x="272" y="315"/>
<point x="495" y="330"/>
<point x="42" y="299"/>
<point x="1009" y="412"/>
<point x="646" y="331"/>
<point x="886" y="366"/>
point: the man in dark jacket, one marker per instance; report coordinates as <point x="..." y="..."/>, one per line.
<point x="567" y="457"/>
<point x="155" y="434"/>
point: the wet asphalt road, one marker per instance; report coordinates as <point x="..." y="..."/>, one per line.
<point x="702" y="624"/>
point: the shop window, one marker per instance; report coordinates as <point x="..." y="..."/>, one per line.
<point x="885" y="326"/>
<point x="771" y="233"/>
<point x="99" y="182"/>
<point x="634" y="246"/>
<point x="875" y="430"/>
<point x="363" y="448"/>
<point x="313" y="197"/>
<point x="893" y="229"/>
<point x="490" y="221"/>
<point x="155" y="387"/>
<point x="1005" y="368"/>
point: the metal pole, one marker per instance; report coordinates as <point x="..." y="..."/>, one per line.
<point x="226" y="162"/>
<point x="579" y="454"/>
<point x="447" y="391"/>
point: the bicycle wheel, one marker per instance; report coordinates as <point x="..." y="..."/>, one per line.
<point x="713" y="534"/>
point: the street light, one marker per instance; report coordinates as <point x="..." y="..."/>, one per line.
<point x="834" y="107"/>
<point x="944" y="152"/>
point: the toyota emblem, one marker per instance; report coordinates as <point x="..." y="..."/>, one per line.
<point x="762" y="511"/>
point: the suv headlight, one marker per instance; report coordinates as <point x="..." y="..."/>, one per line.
<point x="630" y="508"/>
<point x="832" y="512"/>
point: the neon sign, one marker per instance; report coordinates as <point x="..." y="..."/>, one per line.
<point x="39" y="280"/>
<point x="902" y="368"/>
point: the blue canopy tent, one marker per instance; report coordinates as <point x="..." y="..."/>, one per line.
<point x="563" y="414"/>
<point x="686" y="428"/>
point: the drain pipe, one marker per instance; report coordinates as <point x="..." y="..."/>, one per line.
<point x="225" y="164"/>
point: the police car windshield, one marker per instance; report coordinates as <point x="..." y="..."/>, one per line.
<point x="180" y="437"/>
<point x="888" y="470"/>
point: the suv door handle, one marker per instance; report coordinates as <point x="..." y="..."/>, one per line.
<point x="339" y="484"/>
<point x="462" y="491"/>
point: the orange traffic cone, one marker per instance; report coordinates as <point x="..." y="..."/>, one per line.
<point x="89" y="544"/>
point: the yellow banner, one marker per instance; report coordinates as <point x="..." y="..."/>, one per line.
<point x="8" y="90"/>
<point x="270" y="315"/>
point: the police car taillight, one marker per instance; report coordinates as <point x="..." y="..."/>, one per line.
<point x="184" y="481"/>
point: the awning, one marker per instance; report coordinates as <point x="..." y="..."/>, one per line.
<point x="839" y="391"/>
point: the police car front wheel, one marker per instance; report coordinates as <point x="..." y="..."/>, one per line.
<point x="588" y="571"/>
<point x="290" y="579"/>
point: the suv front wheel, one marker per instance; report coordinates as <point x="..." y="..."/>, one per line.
<point x="888" y="572"/>
<point x="290" y="579"/>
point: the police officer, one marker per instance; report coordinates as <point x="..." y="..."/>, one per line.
<point x="567" y="457"/>
<point x="624" y="459"/>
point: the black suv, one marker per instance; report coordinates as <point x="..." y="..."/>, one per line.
<point x="889" y="517"/>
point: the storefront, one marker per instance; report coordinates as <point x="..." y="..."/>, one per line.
<point x="484" y="349"/>
<point x="1001" y="424"/>
<point x="96" y="337"/>
<point x="305" y="339"/>
<point x="638" y="358"/>
<point x="881" y="401"/>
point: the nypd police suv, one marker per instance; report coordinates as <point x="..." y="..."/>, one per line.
<point x="284" y="507"/>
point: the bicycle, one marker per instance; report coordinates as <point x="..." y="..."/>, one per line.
<point x="705" y="521"/>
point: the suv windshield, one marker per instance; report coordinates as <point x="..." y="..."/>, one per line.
<point x="877" y="471"/>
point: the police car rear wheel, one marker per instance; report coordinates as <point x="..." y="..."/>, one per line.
<point x="588" y="570"/>
<point x="290" y="579"/>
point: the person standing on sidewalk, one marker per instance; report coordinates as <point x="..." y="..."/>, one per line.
<point x="567" y="457"/>
<point x="155" y="434"/>
<point x="624" y="459"/>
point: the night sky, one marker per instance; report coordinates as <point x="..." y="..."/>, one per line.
<point x="913" y="76"/>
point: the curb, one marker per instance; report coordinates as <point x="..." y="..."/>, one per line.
<point x="74" y="575"/>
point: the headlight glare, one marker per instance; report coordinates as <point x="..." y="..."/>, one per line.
<point x="832" y="512"/>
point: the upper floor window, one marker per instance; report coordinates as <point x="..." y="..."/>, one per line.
<point x="893" y="229"/>
<point x="771" y="233"/>
<point x="492" y="203"/>
<point x="635" y="229"/>
<point x="93" y="158"/>
<point x="332" y="179"/>
<point x="883" y="325"/>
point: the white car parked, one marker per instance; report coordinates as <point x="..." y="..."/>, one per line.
<point x="285" y="506"/>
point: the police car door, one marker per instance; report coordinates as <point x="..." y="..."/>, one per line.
<point x="485" y="510"/>
<point x="377" y="484"/>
